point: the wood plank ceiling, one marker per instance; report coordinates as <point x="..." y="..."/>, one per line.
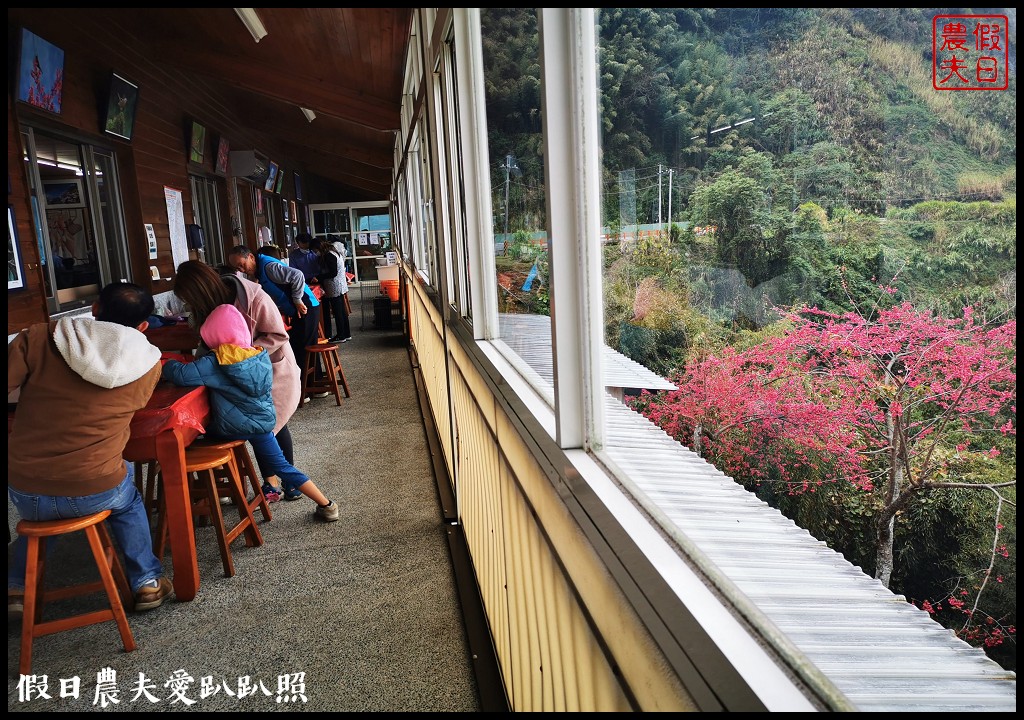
<point x="344" y="64"/>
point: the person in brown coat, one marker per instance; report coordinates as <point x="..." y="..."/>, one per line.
<point x="79" y="382"/>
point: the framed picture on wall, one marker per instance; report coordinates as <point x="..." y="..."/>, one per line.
<point x="298" y="187"/>
<point x="64" y="193"/>
<point x="197" y="143"/>
<point x="15" y="269"/>
<point x="40" y="73"/>
<point x="121" y="103"/>
<point x="280" y="182"/>
<point x="223" y="149"/>
<point x="271" y="176"/>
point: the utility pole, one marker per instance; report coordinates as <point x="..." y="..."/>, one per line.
<point x="670" y="203"/>
<point x="509" y="166"/>
<point x="659" y="193"/>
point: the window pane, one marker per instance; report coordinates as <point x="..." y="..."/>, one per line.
<point x="512" y="82"/>
<point x="760" y="162"/>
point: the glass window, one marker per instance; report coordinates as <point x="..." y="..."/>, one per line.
<point x="206" y="210"/>
<point x="510" y="43"/>
<point x="763" y="162"/>
<point x="454" y="196"/>
<point x="77" y="217"/>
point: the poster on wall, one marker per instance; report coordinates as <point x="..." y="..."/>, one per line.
<point x="15" y="270"/>
<point x="40" y="73"/>
<point x="176" y="224"/>
<point x="222" y="156"/>
<point x="271" y="177"/>
<point x="63" y="193"/>
<point x="151" y="240"/>
<point x="121" y="102"/>
<point x="197" y="143"/>
<point x="69" y="240"/>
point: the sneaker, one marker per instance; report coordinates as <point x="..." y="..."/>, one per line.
<point x="292" y="494"/>
<point x="152" y="594"/>
<point x="305" y="400"/>
<point x="329" y="512"/>
<point x="346" y="339"/>
<point x="271" y="493"/>
<point x="320" y="394"/>
<point x="15" y="605"/>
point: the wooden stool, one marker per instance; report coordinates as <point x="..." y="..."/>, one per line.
<point x="247" y="470"/>
<point x="213" y="470"/>
<point x="333" y="374"/>
<point x="112" y="580"/>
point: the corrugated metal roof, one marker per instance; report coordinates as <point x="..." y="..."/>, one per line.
<point x="880" y="651"/>
<point x="530" y="337"/>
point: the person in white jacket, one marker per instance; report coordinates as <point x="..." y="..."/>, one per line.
<point x="79" y="383"/>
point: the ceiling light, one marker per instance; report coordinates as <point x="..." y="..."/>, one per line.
<point x="252" y="22"/>
<point x="310" y="115"/>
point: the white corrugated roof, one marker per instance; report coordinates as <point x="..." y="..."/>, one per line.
<point x="880" y="651"/>
<point x="530" y="337"/>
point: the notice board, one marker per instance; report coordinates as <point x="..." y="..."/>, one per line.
<point x="176" y="225"/>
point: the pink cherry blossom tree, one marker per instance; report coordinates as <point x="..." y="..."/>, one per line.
<point x="892" y="402"/>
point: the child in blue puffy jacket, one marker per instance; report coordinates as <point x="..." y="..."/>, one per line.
<point x="239" y="378"/>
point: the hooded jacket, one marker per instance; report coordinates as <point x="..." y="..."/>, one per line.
<point x="81" y="381"/>
<point x="238" y="375"/>
<point x="268" y="332"/>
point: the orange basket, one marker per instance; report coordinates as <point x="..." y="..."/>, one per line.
<point x="390" y="287"/>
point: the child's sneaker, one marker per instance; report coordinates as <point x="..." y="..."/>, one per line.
<point x="292" y="494"/>
<point x="271" y="493"/>
<point x="329" y="512"/>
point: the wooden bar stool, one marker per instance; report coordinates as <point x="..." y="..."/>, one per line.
<point x="112" y="580"/>
<point x="333" y="373"/>
<point x="247" y="470"/>
<point x="213" y="471"/>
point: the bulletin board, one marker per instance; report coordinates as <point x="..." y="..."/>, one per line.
<point x="176" y="224"/>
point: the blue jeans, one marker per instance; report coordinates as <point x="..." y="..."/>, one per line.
<point x="271" y="461"/>
<point x="128" y="523"/>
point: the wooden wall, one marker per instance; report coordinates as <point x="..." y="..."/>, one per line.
<point x="156" y="156"/>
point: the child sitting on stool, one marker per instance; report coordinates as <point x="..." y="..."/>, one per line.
<point x="239" y="378"/>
